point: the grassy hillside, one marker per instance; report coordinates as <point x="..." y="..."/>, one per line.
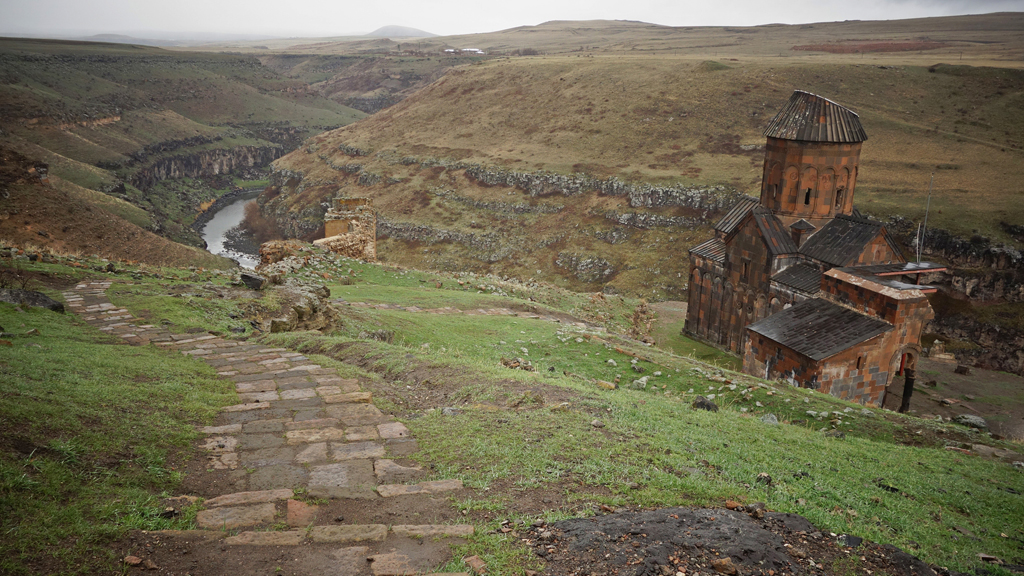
<point x="117" y="118"/>
<point x="654" y="120"/>
<point x="523" y="441"/>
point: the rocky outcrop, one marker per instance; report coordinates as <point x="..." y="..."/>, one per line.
<point x="645" y="220"/>
<point x="999" y="348"/>
<point x="205" y="163"/>
<point x="488" y="247"/>
<point x="303" y="306"/>
<point x="586" y="268"/>
<point x="277" y="250"/>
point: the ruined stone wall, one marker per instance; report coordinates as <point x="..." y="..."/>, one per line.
<point x="350" y="228"/>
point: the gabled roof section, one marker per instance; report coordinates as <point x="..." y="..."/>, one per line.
<point x="842" y="240"/>
<point x="736" y="215"/>
<point x="802" y="277"/>
<point x="802" y="225"/>
<point x="774" y="233"/>
<point x="811" y="118"/>
<point x="713" y="249"/>
<point x="819" y="329"/>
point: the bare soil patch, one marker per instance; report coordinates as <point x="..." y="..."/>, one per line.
<point x="709" y="541"/>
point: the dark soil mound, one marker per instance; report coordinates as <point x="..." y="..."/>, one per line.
<point x="710" y="541"/>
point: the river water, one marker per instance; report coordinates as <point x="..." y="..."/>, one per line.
<point x="223" y="220"/>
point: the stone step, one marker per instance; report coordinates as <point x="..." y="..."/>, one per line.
<point x="432" y="487"/>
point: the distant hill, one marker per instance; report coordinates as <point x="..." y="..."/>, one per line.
<point x="124" y="39"/>
<point x="400" y="32"/>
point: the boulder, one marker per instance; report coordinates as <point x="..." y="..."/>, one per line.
<point x="972" y="421"/>
<point x="277" y="250"/>
<point x="30" y="298"/>
<point x="253" y="281"/>
<point x="703" y="403"/>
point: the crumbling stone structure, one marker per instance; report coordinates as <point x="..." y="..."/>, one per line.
<point x="801" y="283"/>
<point x="350" y="229"/>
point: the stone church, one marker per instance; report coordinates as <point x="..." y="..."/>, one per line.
<point x="799" y="282"/>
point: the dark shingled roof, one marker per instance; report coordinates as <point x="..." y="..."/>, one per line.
<point x="774" y="233"/>
<point x="818" y="329"/>
<point x="713" y="249"/>
<point x="803" y="277"/>
<point x="811" y="118"/>
<point x="843" y="239"/>
<point x="736" y="215"/>
<point x="802" y="225"/>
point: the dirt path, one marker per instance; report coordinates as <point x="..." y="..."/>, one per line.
<point x="306" y="476"/>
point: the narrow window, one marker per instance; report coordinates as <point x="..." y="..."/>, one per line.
<point x="860" y="361"/>
<point x="746" y="271"/>
<point x="839" y="197"/>
<point x="773" y="190"/>
<point x="807" y="197"/>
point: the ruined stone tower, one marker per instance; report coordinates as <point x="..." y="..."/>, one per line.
<point x="350" y="228"/>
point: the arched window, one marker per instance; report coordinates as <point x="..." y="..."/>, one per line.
<point x="807" y="197"/>
<point x="839" y="197"/>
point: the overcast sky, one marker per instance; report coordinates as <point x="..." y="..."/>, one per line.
<point x="445" y="17"/>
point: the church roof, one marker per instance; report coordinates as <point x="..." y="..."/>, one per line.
<point x="819" y="329"/>
<point x="802" y="225"/>
<point x="736" y="214"/>
<point x="774" y="233"/>
<point x="842" y="240"/>
<point x="713" y="249"/>
<point x="811" y="118"/>
<point x="803" y="277"/>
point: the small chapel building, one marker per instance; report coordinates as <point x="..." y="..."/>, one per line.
<point x="799" y="282"/>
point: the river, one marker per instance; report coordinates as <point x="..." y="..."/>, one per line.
<point x="223" y="220"/>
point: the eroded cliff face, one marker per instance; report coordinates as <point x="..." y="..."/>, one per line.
<point x="199" y="163"/>
<point x="582" y="231"/>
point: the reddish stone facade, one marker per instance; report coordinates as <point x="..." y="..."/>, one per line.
<point x="777" y="252"/>
<point x="862" y="371"/>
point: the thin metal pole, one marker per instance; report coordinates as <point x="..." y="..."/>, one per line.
<point x="924" y="229"/>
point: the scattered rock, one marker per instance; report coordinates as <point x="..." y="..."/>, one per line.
<point x="253" y="281"/>
<point x="476" y="564"/>
<point x="764" y="478"/>
<point x="849" y="540"/>
<point x="597" y="423"/>
<point x="132" y="560"/>
<point x="770" y="419"/>
<point x="449" y="411"/>
<point x="30" y="298"/>
<point x="972" y="421"/>
<point x="702" y="403"/>
<point x="962" y="369"/>
<point x="724" y="566"/>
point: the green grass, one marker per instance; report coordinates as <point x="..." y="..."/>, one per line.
<point x="188" y="306"/>
<point x="102" y="429"/>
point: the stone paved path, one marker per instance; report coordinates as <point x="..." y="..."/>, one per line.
<point x="298" y="426"/>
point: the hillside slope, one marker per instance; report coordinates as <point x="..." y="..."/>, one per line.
<point x="545" y="166"/>
<point x="68" y="219"/>
<point x="122" y="118"/>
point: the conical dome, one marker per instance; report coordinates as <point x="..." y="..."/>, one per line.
<point x="811" y="118"/>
